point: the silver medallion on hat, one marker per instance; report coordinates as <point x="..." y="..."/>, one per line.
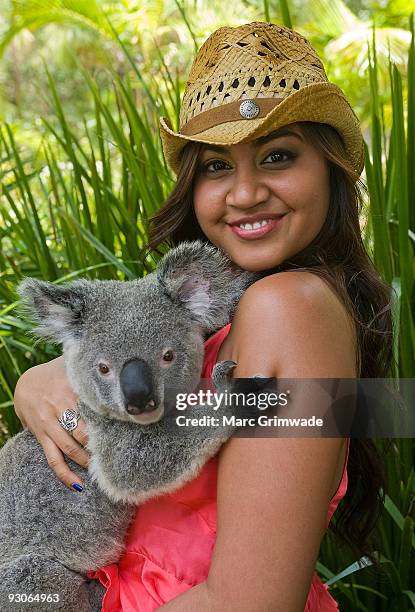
<point x="249" y="109"/>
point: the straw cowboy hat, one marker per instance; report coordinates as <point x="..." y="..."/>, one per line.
<point x="249" y="80"/>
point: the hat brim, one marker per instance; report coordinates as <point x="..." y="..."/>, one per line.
<point x="319" y="102"/>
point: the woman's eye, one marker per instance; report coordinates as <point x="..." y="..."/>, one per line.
<point x="205" y="167"/>
<point x="280" y="156"/>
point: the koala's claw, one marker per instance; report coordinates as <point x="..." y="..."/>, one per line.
<point x="228" y="363"/>
<point x="221" y="372"/>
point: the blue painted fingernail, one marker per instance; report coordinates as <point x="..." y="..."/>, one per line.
<point x="77" y="487"/>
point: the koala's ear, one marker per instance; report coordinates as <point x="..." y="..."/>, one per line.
<point x="58" y="310"/>
<point x="204" y="281"/>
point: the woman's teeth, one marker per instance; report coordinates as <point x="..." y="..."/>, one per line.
<point x="254" y="226"/>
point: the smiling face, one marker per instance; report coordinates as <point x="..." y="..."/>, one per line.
<point x="262" y="201"/>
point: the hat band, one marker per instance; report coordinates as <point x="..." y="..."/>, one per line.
<point x="224" y="113"/>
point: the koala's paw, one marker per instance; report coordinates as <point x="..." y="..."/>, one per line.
<point x="221" y="373"/>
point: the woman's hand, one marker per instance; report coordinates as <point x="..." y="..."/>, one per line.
<point x="41" y="395"/>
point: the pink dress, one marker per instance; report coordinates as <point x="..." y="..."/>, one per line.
<point x="171" y="539"/>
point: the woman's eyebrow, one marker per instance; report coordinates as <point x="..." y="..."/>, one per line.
<point x="278" y="134"/>
<point x="257" y="141"/>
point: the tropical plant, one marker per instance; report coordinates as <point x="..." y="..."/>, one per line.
<point x="74" y="201"/>
<point x="390" y="237"/>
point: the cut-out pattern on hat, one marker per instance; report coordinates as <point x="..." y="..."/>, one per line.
<point x="262" y="62"/>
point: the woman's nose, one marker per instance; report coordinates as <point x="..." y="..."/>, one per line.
<point x="247" y="190"/>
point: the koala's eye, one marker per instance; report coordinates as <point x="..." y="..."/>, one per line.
<point x="103" y="368"/>
<point x="168" y="356"/>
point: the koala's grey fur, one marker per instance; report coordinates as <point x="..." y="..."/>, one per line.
<point x="51" y="536"/>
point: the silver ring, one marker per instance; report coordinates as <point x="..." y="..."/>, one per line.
<point x="69" y="419"/>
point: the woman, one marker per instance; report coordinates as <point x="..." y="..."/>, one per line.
<point x="268" y="159"/>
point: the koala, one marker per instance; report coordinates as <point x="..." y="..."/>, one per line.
<point x="125" y="344"/>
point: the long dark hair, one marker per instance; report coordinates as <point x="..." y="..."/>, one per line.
<point x="338" y="255"/>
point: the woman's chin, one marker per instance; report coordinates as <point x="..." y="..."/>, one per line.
<point x="251" y="255"/>
<point x="256" y="263"/>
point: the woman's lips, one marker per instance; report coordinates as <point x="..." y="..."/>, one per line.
<point x="252" y="234"/>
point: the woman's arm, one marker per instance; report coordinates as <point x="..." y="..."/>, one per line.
<point x="274" y="493"/>
<point x="42" y="393"/>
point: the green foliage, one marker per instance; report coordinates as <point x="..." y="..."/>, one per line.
<point x="33" y="14"/>
<point x="79" y="206"/>
<point x="390" y="182"/>
<point x="77" y="189"/>
<point x="389" y="163"/>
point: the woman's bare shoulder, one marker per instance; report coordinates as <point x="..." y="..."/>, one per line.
<point x="292" y="285"/>
<point x="292" y="324"/>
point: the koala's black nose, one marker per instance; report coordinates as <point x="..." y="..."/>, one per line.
<point x="137" y="386"/>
